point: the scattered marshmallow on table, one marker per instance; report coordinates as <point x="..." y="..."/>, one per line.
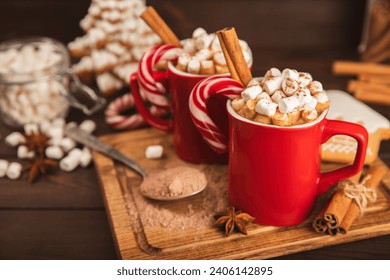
<point x="88" y="126"/>
<point x="3" y="167"/>
<point x="86" y="157"/>
<point x="67" y="144"/>
<point x="14" y="170"/>
<point x="14" y="139"/>
<point x="54" y="152"/>
<point x="23" y="152"/>
<point x="154" y="152"/>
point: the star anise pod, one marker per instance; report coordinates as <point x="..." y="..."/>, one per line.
<point x="36" y="141"/>
<point x="233" y="219"/>
<point x="40" y="166"/>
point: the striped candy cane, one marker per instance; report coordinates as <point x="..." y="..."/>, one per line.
<point x="197" y="103"/>
<point x="153" y="90"/>
<point x="115" y="119"/>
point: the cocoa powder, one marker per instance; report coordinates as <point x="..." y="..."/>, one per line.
<point x="195" y="212"/>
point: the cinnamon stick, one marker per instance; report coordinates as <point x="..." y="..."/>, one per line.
<point x="233" y="48"/>
<point x="158" y="25"/>
<point x="376" y="79"/>
<point x="354" y="85"/>
<point x="319" y="223"/>
<point x="355" y="68"/>
<point x="339" y="205"/>
<point x="372" y="96"/>
<point x="376" y="172"/>
<point x="228" y="59"/>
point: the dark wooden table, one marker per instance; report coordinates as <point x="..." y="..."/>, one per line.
<point x="62" y="216"/>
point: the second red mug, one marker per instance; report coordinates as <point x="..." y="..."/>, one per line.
<point x="188" y="142"/>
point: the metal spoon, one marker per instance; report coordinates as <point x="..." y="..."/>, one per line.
<point x="146" y="188"/>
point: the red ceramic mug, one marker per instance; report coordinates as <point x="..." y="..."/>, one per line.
<point x="274" y="172"/>
<point x="188" y="142"/>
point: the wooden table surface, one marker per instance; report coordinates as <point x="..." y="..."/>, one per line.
<point x="62" y="216"/>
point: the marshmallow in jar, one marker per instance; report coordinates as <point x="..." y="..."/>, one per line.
<point x="29" y="81"/>
<point x="283" y="98"/>
<point x="35" y="81"/>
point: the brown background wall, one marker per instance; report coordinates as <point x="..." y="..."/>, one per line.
<point x="286" y="24"/>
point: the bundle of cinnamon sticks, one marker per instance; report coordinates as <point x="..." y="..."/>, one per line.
<point x="372" y="83"/>
<point x="343" y="208"/>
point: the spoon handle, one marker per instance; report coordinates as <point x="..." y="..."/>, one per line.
<point x="92" y="142"/>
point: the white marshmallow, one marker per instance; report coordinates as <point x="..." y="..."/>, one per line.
<point x="189" y="46"/>
<point x="44" y="126"/>
<point x="254" y="82"/>
<point x="204" y="54"/>
<point x="14" y="139"/>
<point x="198" y="32"/>
<point x="30" y="128"/>
<point x="86" y="157"/>
<point x="69" y="163"/>
<point x="154" y="151"/>
<point x="315" y="87"/>
<point x="71" y="124"/>
<point x="264" y="95"/>
<point x="193" y="66"/>
<point x="290" y="73"/>
<point x="23" y="152"/>
<point x="56" y="132"/>
<point x="321" y="97"/>
<point x="289" y="86"/>
<point x="219" y="58"/>
<point x="216" y="45"/>
<point x="3" y="167"/>
<point x="54" y="152"/>
<point x="58" y="122"/>
<point x="204" y="41"/>
<point x="310" y="104"/>
<point x="67" y="144"/>
<point x="272" y="84"/>
<point x="288" y="104"/>
<point x="266" y="107"/>
<point x="88" y="126"/>
<point x="183" y="60"/>
<point x="251" y="92"/>
<point x="304" y="79"/>
<point x="14" y="170"/>
<point x="273" y="72"/>
<point x="277" y="96"/>
<point x="75" y="153"/>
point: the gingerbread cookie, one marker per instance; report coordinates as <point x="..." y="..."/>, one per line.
<point x="341" y="148"/>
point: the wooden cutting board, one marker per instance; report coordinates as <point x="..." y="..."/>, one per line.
<point x="135" y="239"/>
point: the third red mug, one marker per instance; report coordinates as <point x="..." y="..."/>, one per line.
<point x="274" y="172"/>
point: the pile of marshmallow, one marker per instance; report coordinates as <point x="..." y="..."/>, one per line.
<point x="60" y="148"/>
<point x="282" y="98"/>
<point x="37" y="100"/>
<point x="115" y="40"/>
<point x="203" y="54"/>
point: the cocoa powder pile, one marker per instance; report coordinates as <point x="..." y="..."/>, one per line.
<point x="173" y="182"/>
<point x="195" y="212"/>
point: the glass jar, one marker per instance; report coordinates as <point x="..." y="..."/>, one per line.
<point x="36" y="83"/>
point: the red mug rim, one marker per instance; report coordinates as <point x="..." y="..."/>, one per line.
<point x="294" y="127"/>
<point x="178" y="72"/>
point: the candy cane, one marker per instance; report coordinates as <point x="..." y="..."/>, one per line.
<point x="197" y="103"/>
<point x="126" y="102"/>
<point x="152" y="89"/>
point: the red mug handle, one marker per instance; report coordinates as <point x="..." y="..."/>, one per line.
<point x="153" y="84"/>
<point x="155" y="121"/>
<point x="334" y="127"/>
<point x="214" y="85"/>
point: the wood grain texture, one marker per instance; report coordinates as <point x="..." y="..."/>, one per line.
<point x="209" y="243"/>
<point x="55" y="234"/>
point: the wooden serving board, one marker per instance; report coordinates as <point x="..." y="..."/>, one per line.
<point x="135" y="239"/>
